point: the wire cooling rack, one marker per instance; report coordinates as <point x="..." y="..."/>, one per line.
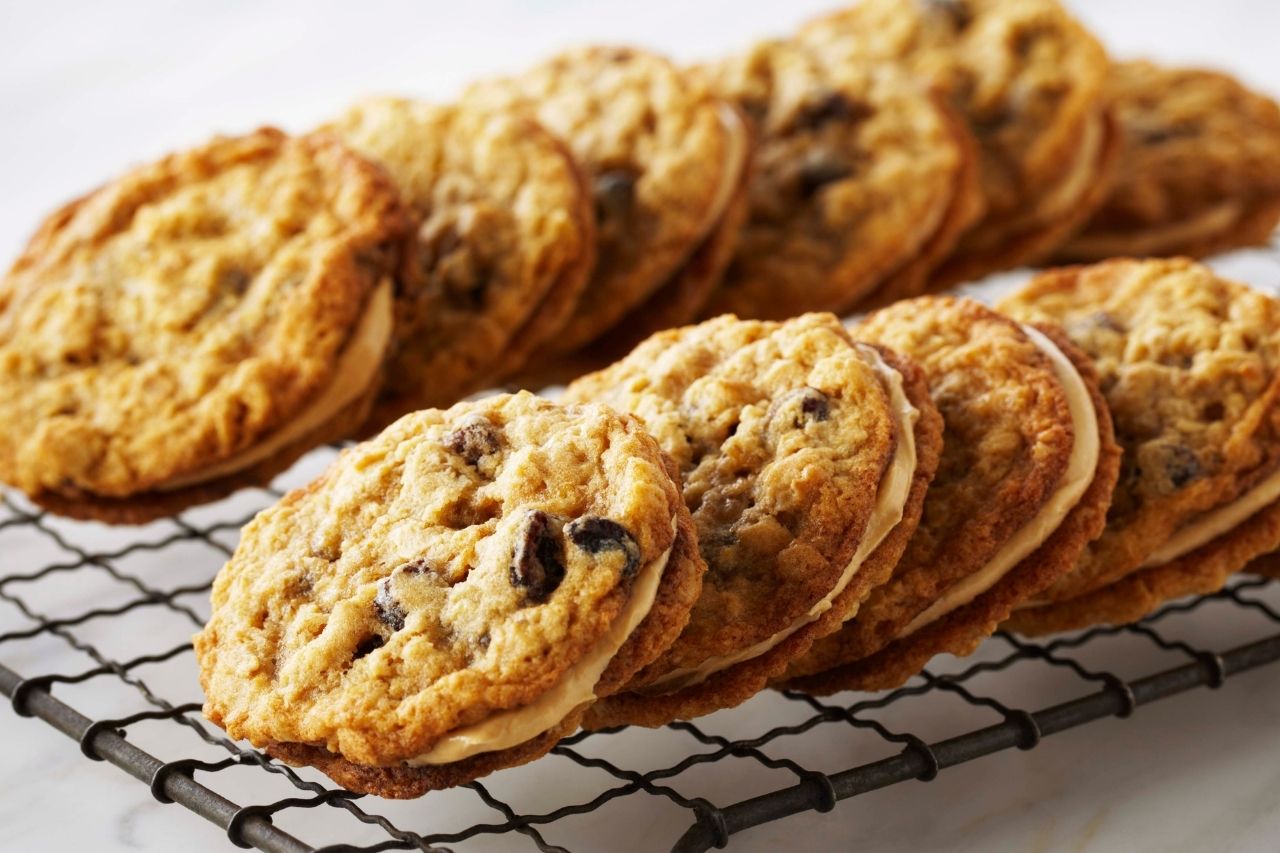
<point x="95" y="627"/>
<point x="126" y="691"/>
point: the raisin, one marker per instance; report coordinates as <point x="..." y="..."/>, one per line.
<point x="832" y="107"/>
<point x="473" y="440"/>
<point x="368" y="646"/>
<point x="594" y="535"/>
<point x="1181" y="465"/>
<point x="615" y="192"/>
<point x="537" y="565"/>
<point x="814" y="406"/>
<point x="388" y="610"/>
<point x="956" y="10"/>
<point x="817" y="174"/>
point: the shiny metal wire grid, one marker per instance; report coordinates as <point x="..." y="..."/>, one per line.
<point x="155" y="733"/>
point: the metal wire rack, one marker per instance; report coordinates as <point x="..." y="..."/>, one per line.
<point x="95" y="628"/>
<point x="158" y="688"/>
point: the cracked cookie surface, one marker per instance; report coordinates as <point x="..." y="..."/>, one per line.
<point x="855" y="171"/>
<point x="654" y="144"/>
<point x="1027" y="77"/>
<point x="503" y="245"/>
<point x="1199" y="166"/>
<point x="182" y="313"/>
<point x="457" y="565"/>
<point x="781" y="432"/>
<point x="1189" y="364"/>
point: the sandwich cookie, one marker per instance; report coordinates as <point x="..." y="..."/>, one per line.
<point x="1199" y="166"/>
<point x="196" y="325"/>
<point x="857" y="171"/>
<point x="503" y="244"/>
<point x="1028" y="78"/>
<point x="450" y="595"/>
<point x="665" y="160"/>
<point x="797" y="454"/>
<point x="1028" y="466"/>
<point x="1190" y="366"/>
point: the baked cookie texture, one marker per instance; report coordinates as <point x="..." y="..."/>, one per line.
<point x="1199" y="170"/>
<point x="1028" y="78"/>
<point x="1006" y="450"/>
<point x="1188" y="364"/>
<point x="782" y="433"/>
<point x="504" y="242"/>
<point x="457" y="566"/>
<point x="156" y="331"/>
<point x="857" y="169"/>
<point x="655" y="145"/>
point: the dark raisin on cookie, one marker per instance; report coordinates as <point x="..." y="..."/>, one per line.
<point x="810" y="406"/>
<point x="615" y="192"/>
<point x="594" y="535"/>
<point x="387" y="608"/>
<point x="820" y="172"/>
<point x="957" y="11"/>
<point x="476" y="438"/>
<point x="1168" y="466"/>
<point x="368" y="646"/>
<point x="833" y="106"/>
<point x="537" y="566"/>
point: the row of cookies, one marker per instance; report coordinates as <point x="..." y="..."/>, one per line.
<point x="793" y="504"/>
<point x="195" y="325"/>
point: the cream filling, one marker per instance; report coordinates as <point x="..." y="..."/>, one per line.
<point x="891" y="501"/>
<point x="506" y="729"/>
<point x="1081" y="465"/>
<point x="735" y="161"/>
<point x="1214" y="523"/>
<point x="1151" y="241"/>
<point x="1076" y="182"/>
<point x="353" y="374"/>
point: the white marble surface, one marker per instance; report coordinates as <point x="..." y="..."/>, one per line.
<point x="86" y="89"/>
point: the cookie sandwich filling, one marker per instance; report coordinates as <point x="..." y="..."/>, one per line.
<point x="353" y="374"/>
<point x="1212" y="524"/>
<point x="891" y="501"/>
<point x="731" y="172"/>
<point x="1081" y="465"/>
<point x="1154" y="239"/>
<point x="575" y="688"/>
<point x="1074" y="183"/>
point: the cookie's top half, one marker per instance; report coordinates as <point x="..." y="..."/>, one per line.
<point x="458" y="564"/>
<point x="1007" y="440"/>
<point x="782" y="433"/>
<point x="1190" y="366"/>
<point x="855" y="169"/>
<point x="1193" y="139"/>
<point x="1024" y="72"/>
<point x="501" y="214"/>
<point x="174" y="317"/>
<point x="656" y="146"/>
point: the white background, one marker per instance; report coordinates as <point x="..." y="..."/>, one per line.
<point x="88" y="88"/>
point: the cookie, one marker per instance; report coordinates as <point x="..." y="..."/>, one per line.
<point x="447" y="598"/>
<point x="1199" y="166"/>
<point x="856" y="172"/>
<point x="1028" y="78"/>
<point x="794" y="446"/>
<point x="1028" y="465"/>
<point x="195" y="325"/>
<point x="664" y="158"/>
<point x="1190" y="367"/>
<point x="503" y="243"/>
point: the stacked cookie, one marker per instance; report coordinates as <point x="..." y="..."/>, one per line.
<point x="195" y="325"/>
<point x="744" y="503"/>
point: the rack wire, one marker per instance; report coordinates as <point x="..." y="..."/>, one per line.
<point x="95" y="627"/>
<point x="160" y="689"/>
